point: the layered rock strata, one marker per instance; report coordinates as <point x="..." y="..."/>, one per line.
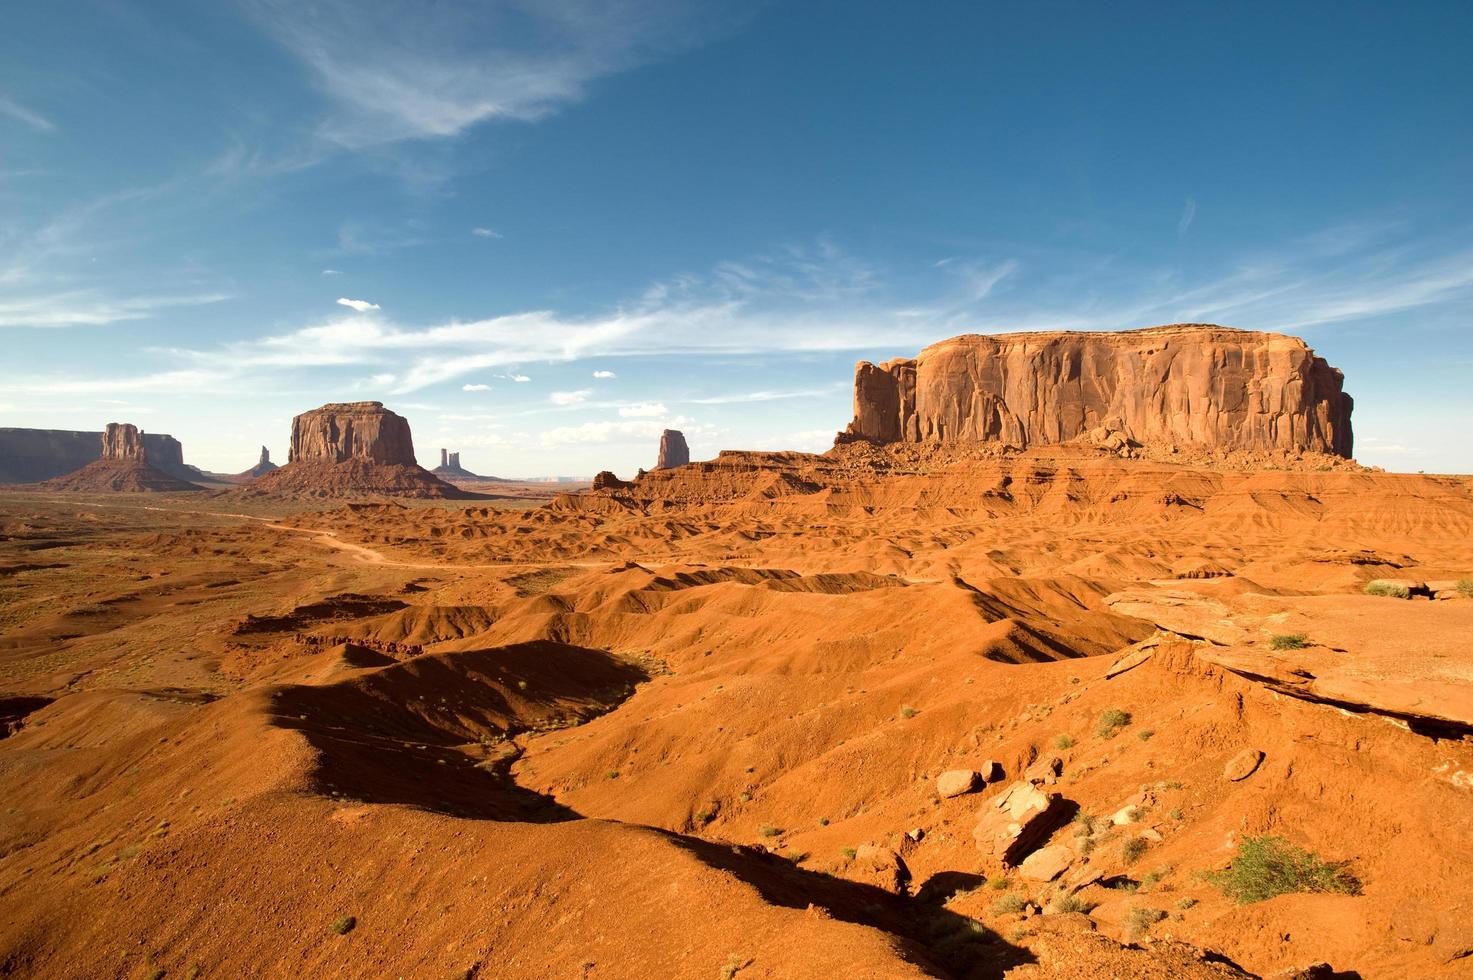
<point x="1190" y="385"/>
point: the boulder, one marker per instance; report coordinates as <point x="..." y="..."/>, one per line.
<point x="1047" y="863"/>
<point x="1017" y="821"/>
<point x="956" y="782"/>
<point x="1178" y="385"/>
<point x="1242" y="765"/>
<point x="673" y="450"/>
<point x="883" y="868"/>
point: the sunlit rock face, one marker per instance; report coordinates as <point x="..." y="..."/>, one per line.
<point x="1184" y="384"/>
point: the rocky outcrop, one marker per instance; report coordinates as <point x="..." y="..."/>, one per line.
<point x="121" y="440"/>
<point x="352" y="449"/>
<point x="1195" y="385"/>
<point x="262" y="467"/>
<point x="340" y="431"/>
<point x="123" y="466"/>
<point x="673" y="450"/>
<point x="34" y="455"/>
<point x="451" y="469"/>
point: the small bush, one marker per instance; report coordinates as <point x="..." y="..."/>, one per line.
<point x="1384" y="587"/>
<point x="746" y="797"/>
<point x="1465" y="587"/>
<point x="848" y="852"/>
<point x="998" y="884"/>
<point x="1289" y="641"/>
<point x="1139" y="920"/>
<point x="1111" y="721"/>
<point x="823" y="821"/>
<point x="1064" y="742"/>
<point x="1010" y="904"/>
<point x="1072" y="903"/>
<point x="1147" y="735"/>
<point x="612" y="774"/>
<point x="1270" y="866"/>
<point x="1132" y="850"/>
<point x="906" y="711"/>
<point x="344" y="925"/>
<point x="1186" y="903"/>
<point x="768" y="831"/>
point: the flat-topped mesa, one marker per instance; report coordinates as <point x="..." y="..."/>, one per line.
<point x="1185" y="384"/>
<point x="122" y="440"/>
<point x="342" y="431"/>
<point x="673" y="450"/>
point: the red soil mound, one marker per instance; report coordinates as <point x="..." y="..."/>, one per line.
<point x="118" y="476"/>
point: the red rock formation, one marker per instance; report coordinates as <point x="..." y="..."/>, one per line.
<point x="123" y="467"/>
<point x="263" y="465"/>
<point x="342" y="431"/>
<point x="1185" y="384"/>
<point x="352" y="449"/>
<point x="673" y="450"/>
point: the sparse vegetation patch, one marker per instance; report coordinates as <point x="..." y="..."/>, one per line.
<point x="1268" y="866"/>
<point x="1385" y="587"/>
<point x="1289" y="641"/>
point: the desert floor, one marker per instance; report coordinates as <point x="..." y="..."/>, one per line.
<point x="694" y="728"/>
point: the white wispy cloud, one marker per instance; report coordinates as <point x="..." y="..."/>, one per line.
<point x="766" y="396"/>
<point x="486" y="233"/>
<point x="569" y="397"/>
<point x="520" y="379"/>
<point x="82" y="309"/>
<point x="331" y="272"/>
<point x="604" y="374"/>
<point x="9" y="107"/>
<point x="1188" y="215"/>
<point x="475" y="387"/>
<point x="621" y="431"/>
<point x="361" y="305"/>
<point x="399" y="70"/>
<point x="643" y="410"/>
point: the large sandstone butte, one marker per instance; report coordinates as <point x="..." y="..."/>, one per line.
<point x="33" y="455"/>
<point x="341" y="431"/>
<point x="673" y="450"/>
<point x="124" y="466"/>
<point x="1181" y="385"/>
<point x="347" y="449"/>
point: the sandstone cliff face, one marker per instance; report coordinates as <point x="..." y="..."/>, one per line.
<point x="1184" y="384"/>
<point x="33" y="455"/>
<point x="122" y="440"/>
<point x="673" y="450"/>
<point x="342" y="431"/>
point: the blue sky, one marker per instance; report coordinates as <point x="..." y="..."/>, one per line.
<point x="563" y="226"/>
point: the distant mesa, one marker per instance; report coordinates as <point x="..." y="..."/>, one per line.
<point x="1186" y="384"/>
<point x="673" y="450"/>
<point x="450" y="468"/>
<point x="123" y="467"/>
<point x="37" y="455"/>
<point x="262" y="467"/>
<point x="347" y="449"/>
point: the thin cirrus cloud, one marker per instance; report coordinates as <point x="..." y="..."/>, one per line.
<point x="361" y="305"/>
<point x="81" y="309"/>
<point x="384" y="83"/>
<point x="1310" y="284"/>
<point x="486" y="233"/>
<point x="644" y="410"/>
<point x="14" y="110"/>
<point x="570" y="397"/>
<point x="475" y="387"/>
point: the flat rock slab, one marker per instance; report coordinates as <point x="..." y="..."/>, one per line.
<point x="1242" y="765"/>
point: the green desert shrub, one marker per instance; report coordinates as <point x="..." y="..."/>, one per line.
<point x="1132" y="850"/>
<point x="1139" y="920"/>
<point x="1268" y="866"/>
<point x="344" y="925"/>
<point x="1465" y="587"/>
<point x="1111" y="721"/>
<point x="1386" y="587"/>
<point x="1064" y="742"/>
<point x="1289" y="641"/>
<point x="1010" y="904"/>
